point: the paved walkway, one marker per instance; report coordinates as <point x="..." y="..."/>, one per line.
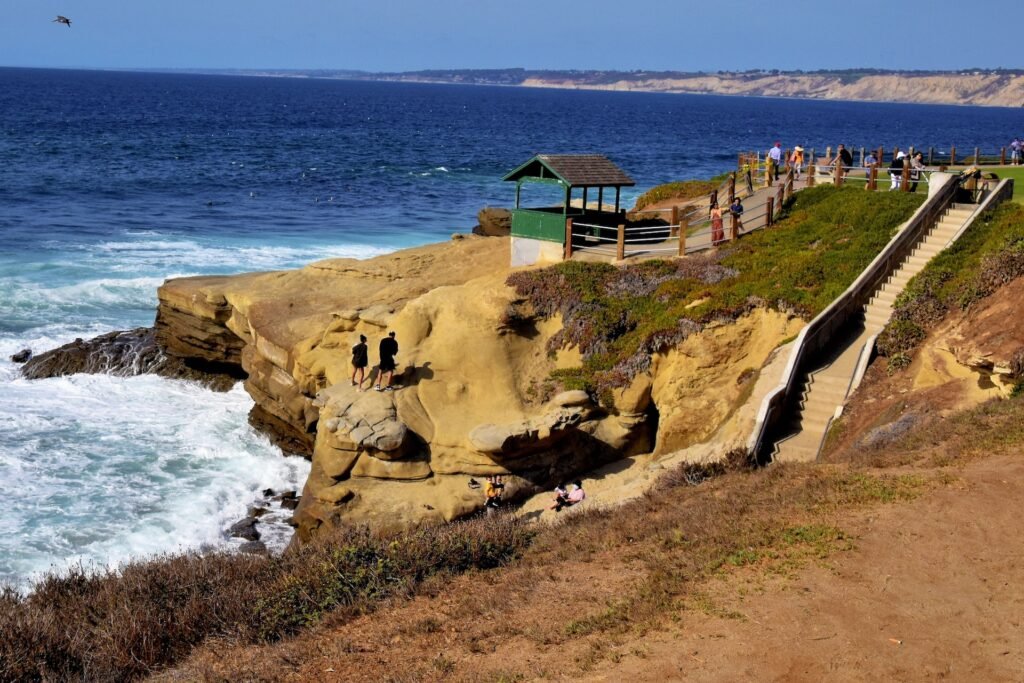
<point x="699" y="229"/>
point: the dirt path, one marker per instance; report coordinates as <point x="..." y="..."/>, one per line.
<point x="933" y="590"/>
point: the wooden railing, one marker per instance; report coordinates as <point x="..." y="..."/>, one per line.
<point x="818" y="334"/>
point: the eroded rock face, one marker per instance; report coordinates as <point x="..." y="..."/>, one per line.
<point x="467" y="403"/>
<point x="977" y="354"/>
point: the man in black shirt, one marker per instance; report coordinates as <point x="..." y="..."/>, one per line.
<point x="388" y="350"/>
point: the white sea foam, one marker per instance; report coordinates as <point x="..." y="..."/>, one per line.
<point x="99" y="469"/>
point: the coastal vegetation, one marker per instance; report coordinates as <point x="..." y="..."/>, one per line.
<point x="676" y="191"/>
<point x="987" y="256"/>
<point x="122" y="625"/>
<point x="618" y="317"/>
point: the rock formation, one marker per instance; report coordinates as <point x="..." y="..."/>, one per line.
<point x="132" y="352"/>
<point x="474" y="396"/>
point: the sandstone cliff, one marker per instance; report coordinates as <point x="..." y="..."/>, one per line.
<point x="989" y="89"/>
<point x="474" y="399"/>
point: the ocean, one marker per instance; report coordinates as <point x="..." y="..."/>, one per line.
<point x="111" y="182"/>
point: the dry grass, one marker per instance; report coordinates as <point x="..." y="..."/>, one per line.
<point x="625" y="571"/>
<point x="123" y="625"/>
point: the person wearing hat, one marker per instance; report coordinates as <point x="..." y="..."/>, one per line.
<point x="796" y="160"/>
<point x="896" y="170"/>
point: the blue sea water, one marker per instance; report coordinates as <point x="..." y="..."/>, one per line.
<point x="111" y="182"/>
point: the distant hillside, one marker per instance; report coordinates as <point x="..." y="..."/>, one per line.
<point x="999" y="87"/>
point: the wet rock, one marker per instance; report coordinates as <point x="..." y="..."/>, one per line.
<point x="245" y="529"/>
<point x="21" y="356"/>
<point x="267" y="493"/>
<point x="257" y="511"/>
<point x="290" y="503"/>
<point x="126" y="354"/>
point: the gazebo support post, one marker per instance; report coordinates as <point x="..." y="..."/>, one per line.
<point x="584" y="199"/>
<point x="600" y="199"/>
<point x="618" y="190"/>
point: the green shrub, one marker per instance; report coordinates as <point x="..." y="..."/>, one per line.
<point x="682" y="191"/>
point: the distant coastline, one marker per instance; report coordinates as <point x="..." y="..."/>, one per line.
<point x="974" y="87"/>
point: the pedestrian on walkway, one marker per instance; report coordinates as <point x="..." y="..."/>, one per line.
<point x="796" y="160"/>
<point x="717" y="231"/>
<point x="736" y="211"/>
<point x="896" y="170"/>
<point x="775" y="158"/>
<point x="916" y="167"/>
<point x="1015" y="149"/>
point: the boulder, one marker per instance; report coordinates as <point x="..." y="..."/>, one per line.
<point x="21" y="356"/>
<point x="245" y="529"/>
<point x="494" y="222"/>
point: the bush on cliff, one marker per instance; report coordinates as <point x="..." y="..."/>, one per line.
<point x="618" y="316"/>
<point x="989" y="255"/>
<point x="124" y="624"/>
<point x="682" y="191"/>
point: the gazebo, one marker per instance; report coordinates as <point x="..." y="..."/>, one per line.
<point x="537" y="231"/>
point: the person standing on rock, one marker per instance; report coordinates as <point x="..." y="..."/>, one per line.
<point x="388" y="350"/>
<point x="360" y="359"/>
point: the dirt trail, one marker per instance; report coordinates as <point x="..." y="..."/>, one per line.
<point x="933" y="590"/>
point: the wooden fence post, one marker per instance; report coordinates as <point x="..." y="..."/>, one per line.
<point x="977" y="156"/>
<point x="1002" y="156"/>
<point x="952" y="156"/>
<point x="769" y="215"/>
<point x="675" y="222"/>
<point x="620" y="247"/>
<point x="828" y="152"/>
<point x="568" y="239"/>
<point x="779" y="199"/>
<point x="732" y="187"/>
<point x="839" y="174"/>
<point x="810" y="157"/>
<point x="905" y="182"/>
<point x="861" y="156"/>
<point x="811" y="172"/>
<point x="734" y="228"/>
<point x="931" y="156"/>
<point x="682" y="242"/>
<point x="873" y="178"/>
<point x="881" y="153"/>
<point x="895" y="151"/>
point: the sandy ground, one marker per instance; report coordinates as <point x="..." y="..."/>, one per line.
<point x="934" y="590"/>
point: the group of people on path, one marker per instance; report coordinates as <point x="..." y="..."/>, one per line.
<point x="387" y="350"/>
<point x="717" y="222"/>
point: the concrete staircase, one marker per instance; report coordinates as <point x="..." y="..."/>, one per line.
<point x="826" y="388"/>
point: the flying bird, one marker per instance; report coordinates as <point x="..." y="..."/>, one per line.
<point x="61" y="19"/>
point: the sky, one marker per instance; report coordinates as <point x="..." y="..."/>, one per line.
<point x="403" y="35"/>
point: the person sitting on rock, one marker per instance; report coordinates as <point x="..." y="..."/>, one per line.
<point x="492" y="493"/>
<point x="561" y="498"/>
<point x="575" y="497"/>
<point x="388" y="350"/>
<point x="360" y="359"/>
